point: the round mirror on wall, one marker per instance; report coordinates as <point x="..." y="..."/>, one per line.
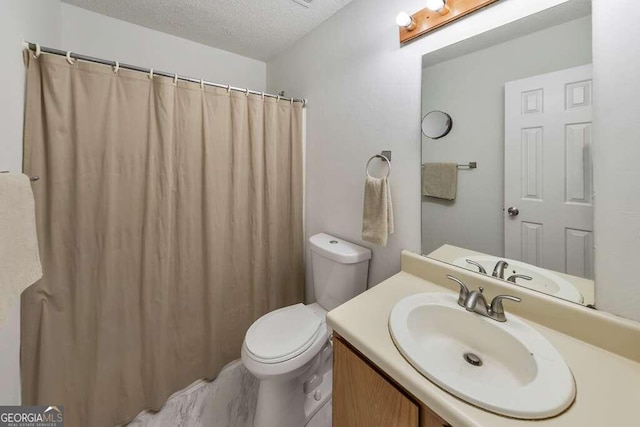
<point x="436" y="124"/>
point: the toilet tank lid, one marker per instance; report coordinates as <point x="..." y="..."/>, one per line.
<point x="337" y="249"/>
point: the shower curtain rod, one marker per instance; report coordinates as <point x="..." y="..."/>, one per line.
<point x="39" y="49"/>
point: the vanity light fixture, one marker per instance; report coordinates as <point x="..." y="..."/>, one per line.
<point x="404" y="20"/>
<point x="438" y="13"/>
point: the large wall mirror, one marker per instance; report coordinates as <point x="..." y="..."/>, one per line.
<point x="521" y="100"/>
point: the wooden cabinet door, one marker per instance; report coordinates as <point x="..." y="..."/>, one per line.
<point x="364" y="398"/>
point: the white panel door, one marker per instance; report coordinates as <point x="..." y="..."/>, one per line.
<point x="548" y="172"/>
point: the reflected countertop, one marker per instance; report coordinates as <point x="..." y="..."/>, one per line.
<point x="449" y="253"/>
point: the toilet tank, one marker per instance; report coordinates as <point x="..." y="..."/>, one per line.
<point x="339" y="269"/>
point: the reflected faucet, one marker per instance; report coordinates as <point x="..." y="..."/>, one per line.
<point x="498" y="270"/>
<point x="475" y="302"/>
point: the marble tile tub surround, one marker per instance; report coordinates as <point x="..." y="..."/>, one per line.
<point x="228" y="401"/>
<point x="605" y="330"/>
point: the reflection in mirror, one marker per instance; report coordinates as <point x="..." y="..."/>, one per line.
<point x="522" y="99"/>
<point x="436" y="124"/>
<point x="561" y="285"/>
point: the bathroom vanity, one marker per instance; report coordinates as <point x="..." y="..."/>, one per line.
<point x="364" y="395"/>
<point x="374" y="385"/>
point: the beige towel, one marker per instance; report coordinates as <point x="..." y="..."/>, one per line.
<point x="377" y="218"/>
<point x="19" y="258"/>
<point x="440" y="180"/>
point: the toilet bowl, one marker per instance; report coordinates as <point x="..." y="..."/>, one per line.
<point x="289" y="352"/>
<point x="288" y="349"/>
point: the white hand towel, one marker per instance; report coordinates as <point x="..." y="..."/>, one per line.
<point x="377" y="218"/>
<point x="19" y="258"/>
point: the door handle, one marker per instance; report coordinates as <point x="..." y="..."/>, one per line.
<point x="513" y="211"/>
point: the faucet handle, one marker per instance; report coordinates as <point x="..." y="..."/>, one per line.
<point x="477" y="264"/>
<point x="464" y="290"/>
<point x="496" y="306"/>
<point x="513" y="278"/>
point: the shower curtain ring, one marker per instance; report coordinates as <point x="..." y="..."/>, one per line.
<point x="202" y="84"/>
<point x="277" y="99"/>
<point x="175" y="79"/>
<point x="262" y="95"/>
<point x="70" y="60"/>
<point x="151" y="73"/>
<point x="38" y="52"/>
<point x="291" y="101"/>
<point x="246" y="93"/>
<point x="116" y="67"/>
<point x="228" y="89"/>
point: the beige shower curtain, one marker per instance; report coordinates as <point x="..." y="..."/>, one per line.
<point x="169" y="219"/>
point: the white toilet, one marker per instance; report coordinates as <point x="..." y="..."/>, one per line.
<point x="288" y="349"/>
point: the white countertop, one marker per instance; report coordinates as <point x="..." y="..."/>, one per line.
<point x="608" y="385"/>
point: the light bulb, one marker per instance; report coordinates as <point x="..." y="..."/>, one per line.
<point x="404" y="20"/>
<point x="436" y="5"/>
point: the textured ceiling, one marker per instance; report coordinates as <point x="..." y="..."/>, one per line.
<point x="258" y="29"/>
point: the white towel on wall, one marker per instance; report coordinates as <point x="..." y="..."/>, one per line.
<point x="377" y="217"/>
<point x="19" y="259"/>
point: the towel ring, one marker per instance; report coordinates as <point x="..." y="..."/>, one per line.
<point x="379" y="156"/>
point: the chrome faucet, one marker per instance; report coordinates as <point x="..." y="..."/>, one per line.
<point x="475" y="302"/>
<point x="498" y="270"/>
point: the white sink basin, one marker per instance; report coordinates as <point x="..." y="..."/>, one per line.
<point x="522" y="375"/>
<point x="542" y="280"/>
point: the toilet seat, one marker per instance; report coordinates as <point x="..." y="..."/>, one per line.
<point x="283" y="334"/>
